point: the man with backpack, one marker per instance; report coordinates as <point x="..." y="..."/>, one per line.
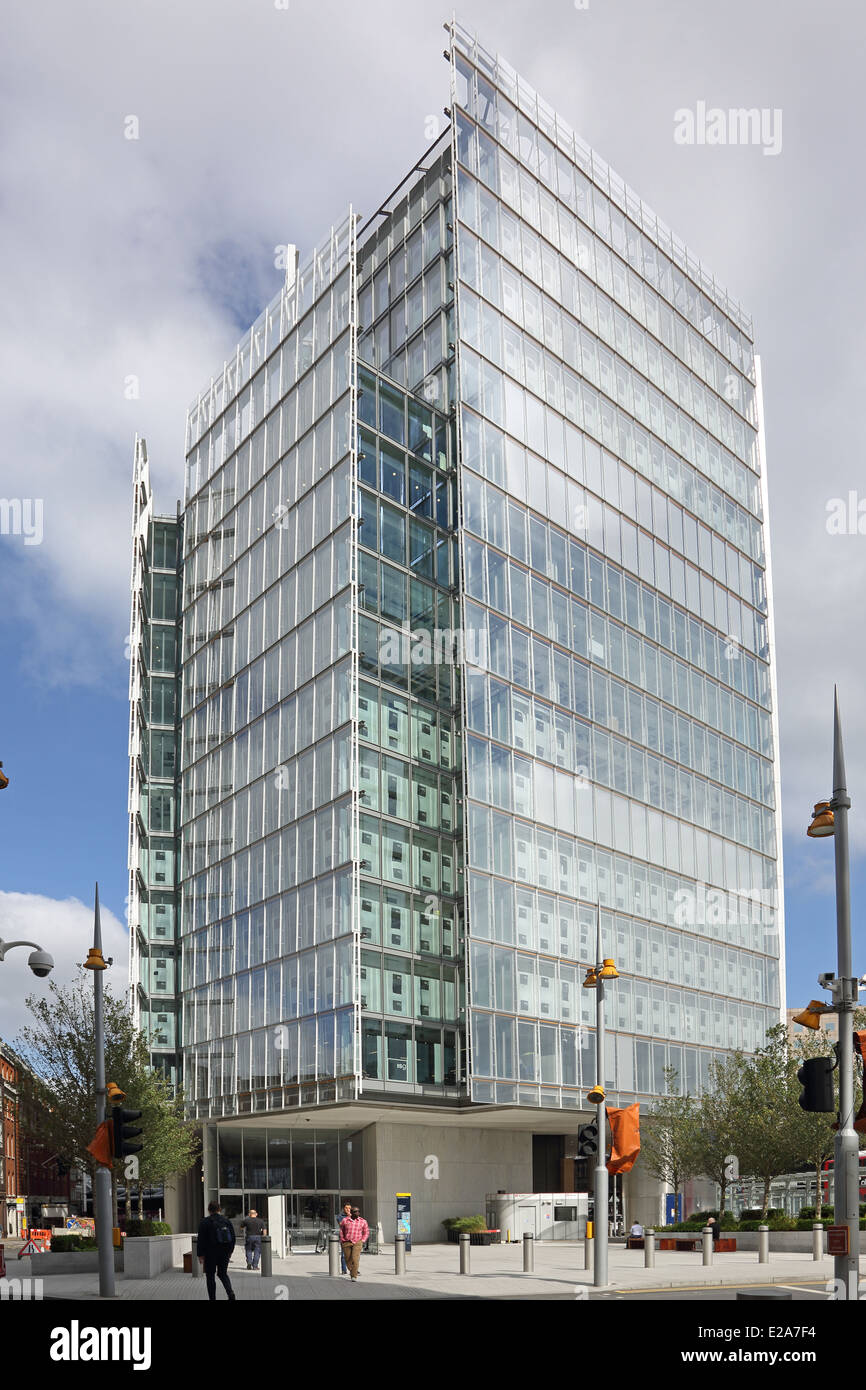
<point x="216" y="1241"/>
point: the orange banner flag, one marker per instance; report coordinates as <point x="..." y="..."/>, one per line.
<point x="101" y="1145"/>
<point x="624" y="1138"/>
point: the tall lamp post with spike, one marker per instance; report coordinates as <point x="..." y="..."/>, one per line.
<point x="102" y="1179"/>
<point x="604" y="969"/>
<point x="831" y="818"/>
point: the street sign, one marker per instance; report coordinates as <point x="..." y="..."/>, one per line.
<point x="837" y="1240"/>
<point x="34" y="1247"/>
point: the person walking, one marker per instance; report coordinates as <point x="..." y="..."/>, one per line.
<point x="214" y="1246"/>
<point x="253" y="1229"/>
<point x="345" y="1215"/>
<point x="353" y="1232"/>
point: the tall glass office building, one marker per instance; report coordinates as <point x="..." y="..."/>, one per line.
<point x="476" y="647"/>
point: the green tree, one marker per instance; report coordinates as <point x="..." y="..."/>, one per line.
<point x="771" y="1137"/>
<point x="720" y="1121"/>
<point x="59" y="1047"/>
<point x="669" y="1138"/>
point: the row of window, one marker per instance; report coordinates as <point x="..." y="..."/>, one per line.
<point x="286" y="794"/>
<point x="407" y="792"/>
<point x="501" y="844"/>
<point x="418" y="1055"/>
<point x="743" y="912"/>
<point x="304" y="653"/>
<point x="300" y="406"/>
<point x="304" y="850"/>
<point x="560" y="171"/>
<point x="536" y="604"/>
<point x="525" y="1052"/>
<point x="683" y="955"/>
<point x="410" y="664"/>
<point x="533" y="481"/>
<point x="506" y="980"/>
<point x="304" y="337"/>
<point x="661" y="415"/>
<point x="275" y="540"/>
<point x="590" y="756"/>
<point x="288" y="922"/>
<point x="389" y="721"/>
<point x="666" y="570"/>
<point x="410" y="857"/>
<point x="248" y="481"/>
<point x="300" y="719"/>
<point x="533" y="727"/>
<point x="427" y="926"/>
<point x="405" y="263"/>
<point x="515" y="322"/>
<point x="318" y="1047"/>
<point x="419" y="989"/>
<point x="315" y="981"/>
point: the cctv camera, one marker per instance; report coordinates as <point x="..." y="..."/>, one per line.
<point x="40" y="963"/>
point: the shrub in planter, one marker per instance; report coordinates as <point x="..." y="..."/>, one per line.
<point x="469" y="1223"/>
<point x="66" y="1244"/>
<point x="147" y="1228"/>
<point x="778" y="1223"/>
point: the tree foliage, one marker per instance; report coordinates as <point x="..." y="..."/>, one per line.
<point x="669" y="1137"/>
<point x="59" y="1047"/>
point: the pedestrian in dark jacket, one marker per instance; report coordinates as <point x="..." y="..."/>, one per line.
<point x="253" y="1229"/>
<point x="216" y="1241"/>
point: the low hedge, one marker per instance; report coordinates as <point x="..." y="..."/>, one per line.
<point x="147" y="1228"/>
<point x="465" y="1223"/>
<point x="67" y="1243"/>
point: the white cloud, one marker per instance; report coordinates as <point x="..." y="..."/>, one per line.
<point x="64" y="929"/>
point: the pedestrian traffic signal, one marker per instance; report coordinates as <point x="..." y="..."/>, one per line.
<point x="816" y="1078"/>
<point x="587" y="1140"/>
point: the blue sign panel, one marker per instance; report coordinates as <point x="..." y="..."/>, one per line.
<point x="404" y="1217"/>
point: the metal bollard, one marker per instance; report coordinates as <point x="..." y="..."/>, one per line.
<point x="267" y="1256"/>
<point x="707" y="1234"/>
<point x="528" y="1252"/>
<point x="763" y="1245"/>
<point x="464" y="1252"/>
<point x="400" y="1254"/>
<point x="587" y="1252"/>
<point x="195" y="1265"/>
<point x="649" y="1249"/>
<point x="817" y="1240"/>
<point x="334" y="1256"/>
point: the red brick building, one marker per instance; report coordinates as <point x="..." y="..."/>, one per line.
<point x="29" y="1173"/>
<point x="10" y="1175"/>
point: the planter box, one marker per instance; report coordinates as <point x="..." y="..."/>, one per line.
<point x="147" y="1256"/>
<point x="477" y="1237"/>
<point x="71" y="1262"/>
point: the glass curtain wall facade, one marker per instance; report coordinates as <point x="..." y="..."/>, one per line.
<point x="153" y="740"/>
<point x="619" y="748"/>
<point x="412" y="982"/>
<point x="267" y="880"/>
<point x="476" y="644"/>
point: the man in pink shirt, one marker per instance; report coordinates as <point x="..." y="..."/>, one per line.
<point x="353" y="1232"/>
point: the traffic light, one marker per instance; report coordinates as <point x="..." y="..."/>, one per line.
<point x="123" y="1131"/>
<point x="816" y="1078"/>
<point x="587" y="1140"/>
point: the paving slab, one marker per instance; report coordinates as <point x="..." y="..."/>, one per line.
<point x="432" y="1271"/>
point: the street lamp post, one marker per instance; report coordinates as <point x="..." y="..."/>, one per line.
<point x="102" y="1178"/>
<point x="846" y="1167"/>
<point x="604" y="969"/>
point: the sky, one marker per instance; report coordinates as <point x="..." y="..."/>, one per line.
<point x="154" y="158"/>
